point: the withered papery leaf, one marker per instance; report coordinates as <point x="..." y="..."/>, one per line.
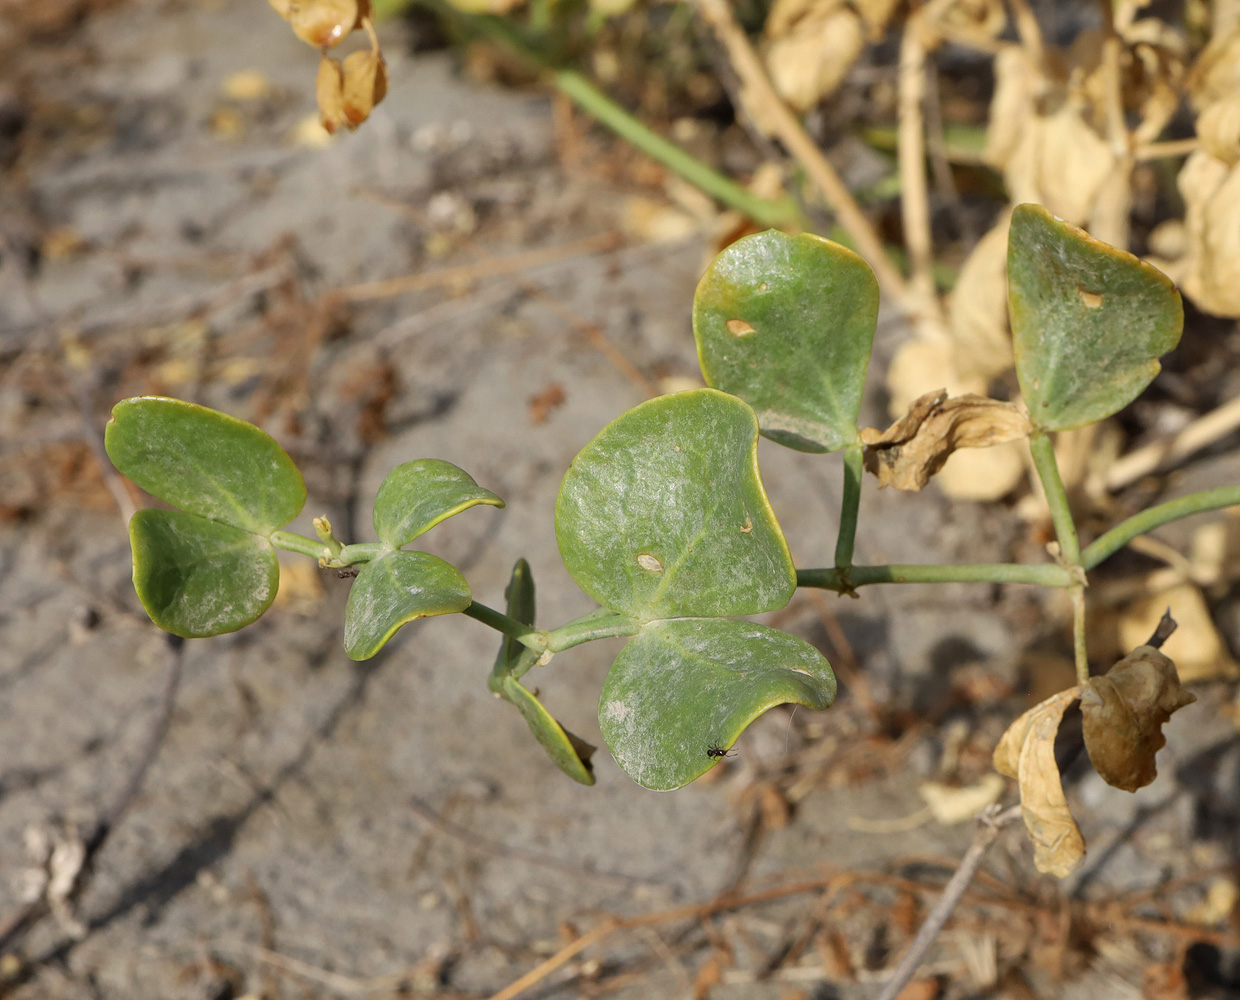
<point x="1027" y="753"/>
<point x="915" y="447"/>
<point x="1123" y="715"/>
<point x="365" y="84"/>
<point x="329" y="92"/>
<point x="323" y="23"/>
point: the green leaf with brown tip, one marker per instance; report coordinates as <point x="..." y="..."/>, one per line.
<point x="786" y="323"/>
<point x="198" y="577"/>
<point x="1089" y="321"/>
<point x="681" y="687"/>
<point x="663" y="514"/>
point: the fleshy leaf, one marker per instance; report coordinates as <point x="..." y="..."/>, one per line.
<point x="568" y="752"/>
<point x="1089" y="321"/>
<point x="416" y="496"/>
<point x="786" y="323"/>
<point x="663" y="514"/>
<point x="205" y="462"/>
<point x="681" y="687"/>
<point x="198" y="577"/>
<point x="395" y="589"/>
<point x="520" y="597"/>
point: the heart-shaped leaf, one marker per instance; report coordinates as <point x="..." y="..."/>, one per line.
<point x="198" y="577"/>
<point x="395" y="589"/>
<point x="1089" y="321"/>
<point x="786" y="323"/>
<point x="418" y="495"/>
<point x="680" y="688"/>
<point x="205" y="462"/>
<point x="663" y="514"/>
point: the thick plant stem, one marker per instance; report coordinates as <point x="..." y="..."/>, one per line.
<point x="591" y="100"/>
<point x="851" y="500"/>
<point x="292" y="542"/>
<point x="1107" y="545"/>
<point x="599" y="625"/>
<point x="844" y="581"/>
<point x="1056" y="497"/>
<point x="527" y="635"/>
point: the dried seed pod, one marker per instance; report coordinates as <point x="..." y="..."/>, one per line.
<point x="329" y="90"/>
<point x="323" y="23"/>
<point x="365" y="84"/>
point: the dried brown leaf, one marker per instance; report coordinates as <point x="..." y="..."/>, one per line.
<point x="323" y="23"/>
<point x="1124" y="712"/>
<point x="1027" y="753"/>
<point x="1210" y="272"/>
<point x="365" y="84"/>
<point x="915" y="447"/>
<point x="329" y="92"/>
<point x="1218" y="129"/>
<point x="1017" y="86"/>
<point x="1216" y="73"/>
<point x="967" y="21"/>
<point x="810" y="48"/>
<point x="977" y="308"/>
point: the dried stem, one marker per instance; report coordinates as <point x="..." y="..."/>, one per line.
<point x="990" y="824"/>
<point x="773" y="116"/>
<point x="911" y="139"/>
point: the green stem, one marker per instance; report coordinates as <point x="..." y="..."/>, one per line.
<point x="595" y="103"/>
<point x="1107" y="545"/>
<point x="356" y="553"/>
<point x="848" y="506"/>
<point x="527" y="635"/>
<point x="1080" y="654"/>
<point x="1044" y="575"/>
<point x="1056" y="497"/>
<point x="601" y="624"/>
<point x="293" y="542"/>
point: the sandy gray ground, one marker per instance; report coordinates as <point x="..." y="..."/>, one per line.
<point x="287" y="809"/>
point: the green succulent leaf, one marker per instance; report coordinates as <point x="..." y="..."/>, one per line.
<point x="416" y="496"/>
<point x="1089" y="321"/>
<point x="663" y="514"/>
<point x="198" y="577"/>
<point x="395" y="589"/>
<point x="681" y="687"/>
<point x="205" y="462"/>
<point x="568" y="752"/>
<point x="520" y="596"/>
<point x="786" y="323"/>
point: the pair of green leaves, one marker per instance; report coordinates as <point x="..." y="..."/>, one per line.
<point x="786" y="323"/>
<point x="210" y="567"/>
<point x="663" y="518"/>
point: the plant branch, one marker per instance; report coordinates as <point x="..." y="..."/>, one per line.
<point x="598" y="625"/>
<point x="911" y="155"/>
<point x="1080" y="653"/>
<point x="1107" y="545"/>
<point x="844" y="581"/>
<point x="853" y="460"/>
<point x="773" y="116"/>
<point x="1056" y="497"/>
<point x="1174" y="448"/>
<point x="607" y="112"/>
<point x="527" y="635"/>
<point x="292" y="542"/>
<point x="990" y="824"/>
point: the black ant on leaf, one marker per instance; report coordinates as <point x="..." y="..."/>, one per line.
<point x="715" y="750"/>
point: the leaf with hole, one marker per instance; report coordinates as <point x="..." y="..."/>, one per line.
<point x="786" y="323"/>
<point x="663" y="514"/>
<point x="205" y="462"/>
<point x="392" y="591"/>
<point x="681" y="687"/>
<point x="417" y="495"/>
<point x="1089" y="321"/>
<point x="197" y="577"/>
